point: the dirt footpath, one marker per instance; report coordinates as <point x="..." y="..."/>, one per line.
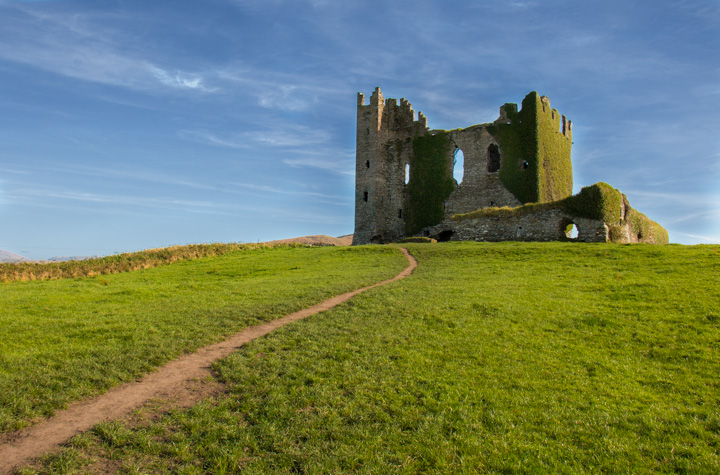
<point x="167" y="382"/>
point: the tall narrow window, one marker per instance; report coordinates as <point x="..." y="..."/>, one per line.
<point x="459" y="166"/>
<point x="493" y="158"/>
<point x="407" y="173"/>
<point x="365" y="196"/>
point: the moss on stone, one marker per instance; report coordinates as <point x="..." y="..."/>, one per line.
<point x="518" y="146"/>
<point x="660" y="234"/>
<point x="599" y="201"/>
<point x="644" y="228"/>
<point x="615" y="233"/>
<point x="504" y="211"/>
<point x="418" y="239"/>
<point x="536" y="166"/>
<point x="554" y="148"/>
<point x="431" y="181"/>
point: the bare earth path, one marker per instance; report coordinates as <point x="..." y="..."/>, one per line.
<point x="169" y="380"/>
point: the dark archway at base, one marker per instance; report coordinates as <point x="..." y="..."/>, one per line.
<point x="445" y="236"/>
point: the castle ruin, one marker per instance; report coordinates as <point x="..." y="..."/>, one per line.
<point x="516" y="183"/>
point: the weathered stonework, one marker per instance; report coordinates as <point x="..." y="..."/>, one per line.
<point x="384" y="147"/>
<point x="543" y="225"/>
<point x="404" y="184"/>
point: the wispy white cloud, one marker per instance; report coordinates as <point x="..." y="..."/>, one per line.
<point x="281" y="90"/>
<point x="322" y="162"/>
<point x="285" y="97"/>
<point x="710" y="200"/>
<point x="334" y="199"/>
<point x="146" y="175"/>
<point x="47" y="194"/>
<point x="180" y="80"/>
<point x="281" y="134"/>
<point x="705" y="239"/>
<point x="301" y="146"/>
<point x="73" y="45"/>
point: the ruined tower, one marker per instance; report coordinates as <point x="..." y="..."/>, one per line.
<point x="385" y="131"/>
<point x="404" y="183"/>
<point x="404" y="171"/>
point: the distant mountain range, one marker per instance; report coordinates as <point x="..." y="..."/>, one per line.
<point x="71" y="258"/>
<point x="9" y="257"/>
<point x="322" y="240"/>
<point x="316" y="240"/>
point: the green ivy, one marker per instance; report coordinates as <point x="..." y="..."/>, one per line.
<point x="536" y="165"/>
<point x="518" y="144"/>
<point x="554" y="156"/>
<point x="646" y="229"/>
<point x="431" y="181"/>
<point x="504" y="211"/>
<point x="417" y="239"/>
<point x="599" y="201"/>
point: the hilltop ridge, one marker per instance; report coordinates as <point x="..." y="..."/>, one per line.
<point x="10" y="257"/>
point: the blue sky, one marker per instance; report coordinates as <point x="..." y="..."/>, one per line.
<point x="134" y="124"/>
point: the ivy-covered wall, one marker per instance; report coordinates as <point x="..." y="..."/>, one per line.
<point x="554" y="154"/>
<point x="605" y="203"/>
<point x="536" y="166"/>
<point x="518" y="146"/>
<point x="431" y="181"/>
<point x="600" y="202"/>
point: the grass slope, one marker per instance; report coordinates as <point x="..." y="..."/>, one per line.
<point x="66" y="339"/>
<point x="491" y="358"/>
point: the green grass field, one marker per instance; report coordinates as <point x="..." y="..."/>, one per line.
<point x="62" y="340"/>
<point x="490" y="358"/>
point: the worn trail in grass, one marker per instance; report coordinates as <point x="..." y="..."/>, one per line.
<point x="68" y="339"/>
<point x="169" y="382"/>
<point x="491" y="357"/>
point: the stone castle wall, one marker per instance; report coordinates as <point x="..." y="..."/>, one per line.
<point x="480" y="187"/>
<point x="405" y="186"/>
<point x="541" y="225"/>
<point x="385" y="130"/>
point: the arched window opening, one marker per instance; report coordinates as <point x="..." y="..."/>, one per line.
<point x="493" y="158"/>
<point x="367" y="163"/>
<point x="365" y="196"/>
<point x="569" y="229"/>
<point x="407" y="173"/>
<point x="458" y="165"/>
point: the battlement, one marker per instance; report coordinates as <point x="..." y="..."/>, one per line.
<point x="390" y="115"/>
<point x="560" y="122"/>
<point x="507" y="112"/>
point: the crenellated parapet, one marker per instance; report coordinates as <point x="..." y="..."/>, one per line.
<point x="559" y="121"/>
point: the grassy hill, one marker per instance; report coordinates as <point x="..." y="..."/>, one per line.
<point x="61" y="340"/>
<point x="491" y="357"/>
